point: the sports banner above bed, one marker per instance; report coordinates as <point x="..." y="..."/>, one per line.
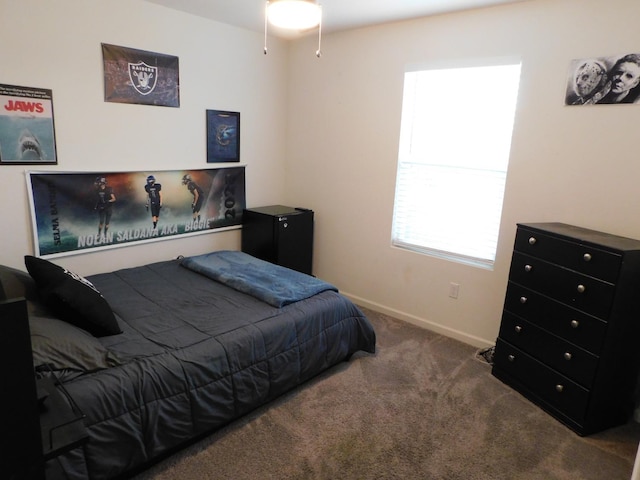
<point x="80" y="211"/>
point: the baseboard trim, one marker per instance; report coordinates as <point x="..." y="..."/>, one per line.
<point x="420" y="322"/>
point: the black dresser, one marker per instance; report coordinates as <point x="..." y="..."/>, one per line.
<point x="569" y="338"/>
<point x="279" y="234"/>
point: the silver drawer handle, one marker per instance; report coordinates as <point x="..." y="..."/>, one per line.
<point x="575" y="323"/>
<point x="587" y="257"/>
<point x="532" y="240"/>
<point x="559" y="388"/>
<point x="567" y="356"/>
<point x="511" y="358"/>
<point x="528" y="268"/>
<point x="518" y="329"/>
<point x="581" y="289"/>
<point x="523" y="299"/>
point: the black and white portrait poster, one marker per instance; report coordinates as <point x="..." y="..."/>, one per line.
<point x="138" y="76"/>
<point x="27" y="133"/>
<point x="75" y="212"/>
<point x="604" y="80"/>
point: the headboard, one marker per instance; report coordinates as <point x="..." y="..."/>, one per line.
<point x="16" y="283"/>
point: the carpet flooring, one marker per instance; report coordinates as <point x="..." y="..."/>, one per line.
<point x="424" y="406"/>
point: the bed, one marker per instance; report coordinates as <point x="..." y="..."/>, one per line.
<point x="158" y="355"/>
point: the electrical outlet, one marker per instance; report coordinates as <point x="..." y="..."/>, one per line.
<point x="454" y="290"/>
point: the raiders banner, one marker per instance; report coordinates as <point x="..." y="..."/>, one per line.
<point x="138" y="76"/>
<point x="76" y="212"/>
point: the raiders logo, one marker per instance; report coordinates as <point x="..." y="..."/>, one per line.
<point x="143" y="77"/>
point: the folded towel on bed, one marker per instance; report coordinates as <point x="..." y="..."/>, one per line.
<point x="273" y="284"/>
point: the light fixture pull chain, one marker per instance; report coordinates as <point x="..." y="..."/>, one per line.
<point x="319" y="51"/>
<point x="266" y="16"/>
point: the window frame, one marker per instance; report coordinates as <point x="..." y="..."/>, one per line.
<point x="425" y="249"/>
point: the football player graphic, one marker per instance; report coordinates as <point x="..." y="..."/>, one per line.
<point x="154" y="201"/>
<point x="198" y="197"/>
<point x="104" y="203"/>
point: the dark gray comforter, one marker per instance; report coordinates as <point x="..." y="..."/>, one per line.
<point x="194" y="355"/>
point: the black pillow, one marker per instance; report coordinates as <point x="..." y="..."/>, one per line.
<point x="72" y="298"/>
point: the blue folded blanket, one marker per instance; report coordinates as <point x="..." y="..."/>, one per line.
<point x="273" y="284"/>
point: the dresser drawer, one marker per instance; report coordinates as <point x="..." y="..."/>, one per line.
<point x="576" y="256"/>
<point x="542" y="382"/>
<point x="567" y="286"/>
<point x="568" y="359"/>
<point x="573" y="325"/>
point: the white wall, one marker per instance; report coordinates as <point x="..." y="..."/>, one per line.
<point x="57" y="45"/>
<point x="323" y="134"/>
<point x="577" y="165"/>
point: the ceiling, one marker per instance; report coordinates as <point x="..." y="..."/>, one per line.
<point x="337" y="14"/>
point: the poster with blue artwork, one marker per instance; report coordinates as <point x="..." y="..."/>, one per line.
<point x="223" y="136"/>
<point x="82" y="211"/>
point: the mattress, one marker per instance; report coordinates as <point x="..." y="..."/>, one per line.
<point x="194" y="355"/>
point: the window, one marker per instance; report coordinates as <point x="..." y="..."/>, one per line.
<point x="455" y="139"/>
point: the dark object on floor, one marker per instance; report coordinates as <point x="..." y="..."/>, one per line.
<point x="486" y="354"/>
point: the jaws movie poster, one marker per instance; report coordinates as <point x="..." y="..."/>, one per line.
<point x="75" y="212"/>
<point x="27" y="134"/>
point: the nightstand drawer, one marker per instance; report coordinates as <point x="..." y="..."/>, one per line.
<point x="576" y="256"/>
<point x="541" y="382"/>
<point x="567" y="286"/>
<point x="568" y="359"/>
<point x="573" y="325"/>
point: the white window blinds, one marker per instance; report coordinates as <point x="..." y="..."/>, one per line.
<point x="454" y="151"/>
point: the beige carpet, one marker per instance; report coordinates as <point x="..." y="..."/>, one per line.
<point x="423" y="407"/>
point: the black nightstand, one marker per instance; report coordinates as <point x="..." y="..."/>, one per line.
<point x="19" y="420"/>
<point x="279" y="234"/>
<point x="37" y="422"/>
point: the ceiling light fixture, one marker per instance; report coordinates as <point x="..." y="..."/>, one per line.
<point x="293" y="15"/>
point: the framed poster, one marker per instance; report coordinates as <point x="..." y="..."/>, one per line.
<point x="223" y="136"/>
<point x="604" y="80"/>
<point x="27" y="133"/>
<point x="80" y="211"/>
<point x="138" y="76"/>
